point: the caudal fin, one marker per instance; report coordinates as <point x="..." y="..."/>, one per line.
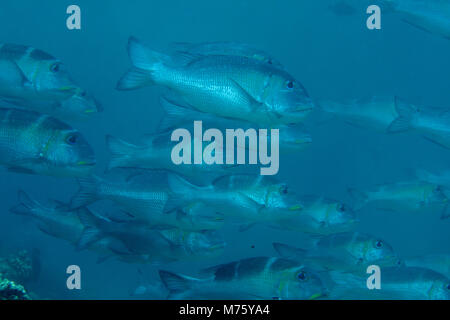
<point x="146" y="63"/>
<point x="87" y="193"/>
<point x="91" y="232"/>
<point x="404" y="121"/>
<point x="177" y="284"/>
<point x="26" y="205"/>
<point x="122" y="152"/>
<point x="175" y="115"/>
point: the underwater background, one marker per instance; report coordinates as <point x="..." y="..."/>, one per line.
<point x="334" y="56"/>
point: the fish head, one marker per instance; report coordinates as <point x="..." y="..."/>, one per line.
<point x="378" y="251"/>
<point x="305" y="284"/>
<point x="438" y="194"/>
<point x="69" y="151"/>
<point x="439" y="286"/>
<point x="81" y="104"/>
<point x="341" y="217"/>
<point x="52" y="78"/>
<point x="286" y="99"/>
<point x="294" y="138"/>
<point x="208" y="243"/>
<point x="201" y="216"/>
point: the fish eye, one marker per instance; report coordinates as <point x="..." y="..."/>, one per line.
<point x="284" y="189"/>
<point x="378" y="244"/>
<point x="55" y="67"/>
<point x="83" y="93"/>
<point x="71" y="139"/>
<point x="302" y="276"/>
<point x="290" y="84"/>
<point x="341" y="207"/>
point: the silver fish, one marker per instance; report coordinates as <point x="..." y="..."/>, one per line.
<point x="39" y="144"/>
<point x="33" y="79"/>
<point x="348" y="251"/>
<point x="253" y="278"/>
<point x="227" y="86"/>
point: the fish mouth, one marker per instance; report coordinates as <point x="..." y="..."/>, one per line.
<point x="86" y="163"/>
<point x="318" y="295"/>
<point x="303" y="141"/>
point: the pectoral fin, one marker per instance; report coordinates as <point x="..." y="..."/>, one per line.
<point x="247" y="98"/>
<point x="12" y="74"/>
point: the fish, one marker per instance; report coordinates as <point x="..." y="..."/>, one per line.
<point x="154" y="152"/>
<point x="245" y="199"/>
<point x="152" y="245"/>
<point x="34" y="143"/>
<point x="225" y="48"/>
<point x="265" y="278"/>
<point x="373" y="113"/>
<point x="397" y="283"/>
<point x="439" y="263"/>
<point x="55" y="219"/>
<point x="58" y="220"/>
<point x="34" y="79"/>
<point x="81" y="105"/>
<point x="146" y="198"/>
<point x="408" y="195"/>
<point x="321" y="216"/>
<point x="228" y="86"/>
<point x="291" y="138"/>
<point x="348" y="251"/>
<point x="432" y="16"/>
<point x="432" y="123"/>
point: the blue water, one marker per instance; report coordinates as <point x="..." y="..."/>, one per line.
<point x="335" y="57"/>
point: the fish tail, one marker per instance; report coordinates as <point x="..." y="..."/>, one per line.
<point x="122" y="152"/>
<point x="359" y="198"/>
<point x="87" y="193"/>
<point x="177" y="284"/>
<point x="91" y="233"/>
<point x="179" y="185"/>
<point x="175" y="115"/>
<point x="404" y="120"/>
<point x="146" y="64"/>
<point x="26" y="205"/>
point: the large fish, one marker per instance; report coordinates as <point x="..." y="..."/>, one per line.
<point x="40" y="144"/>
<point x="320" y="216"/>
<point x="57" y="220"/>
<point x="432" y="123"/>
<point x="397" y="283"/>
<point x="154" y="152"/>
<point x="436" y="262"/>
<point x="228" y="86"/>
<point x="225" y="48"/>
<point x="147" y="198"/>
<point x="348" y="251"/>
<point x="253" y="278"/>
<point x="291" y="138"/>
<point x="375" y="113"/>
<point x="410" y="196"/>
<point x="243" y="198"/>
<point x="432" y="16"/>
<point x="32" y="78"/>
<point x="149" y="244"/>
